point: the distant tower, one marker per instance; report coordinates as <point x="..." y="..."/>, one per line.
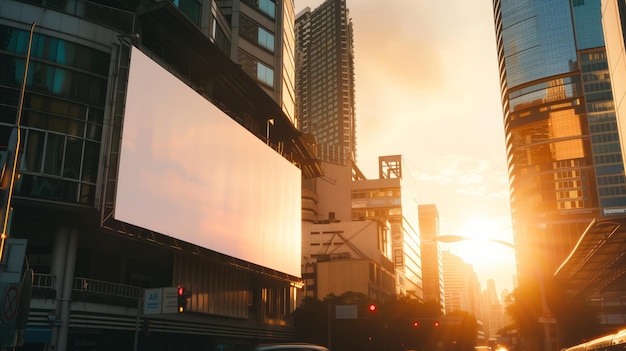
<point x="492" y="310"/>
<point x="461" y="286"/>
<point x="325" y="80"/>
<point x="432" y="266"/>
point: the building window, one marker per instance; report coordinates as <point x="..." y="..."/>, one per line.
<point x="191" y="9"/>
<point x="267" y="7"/>
<point x="256" y="34"/>
<point x="265" y="74"/>
<point x="62" y="116"/>
<point x="256" y="69"/>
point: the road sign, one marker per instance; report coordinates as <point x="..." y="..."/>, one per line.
<point x="10" y="303"/>
<point x="9" y="307"/>
<point x="161" y="300"/>
<point x="152" y="301"/>
<point x="170" y="300"/>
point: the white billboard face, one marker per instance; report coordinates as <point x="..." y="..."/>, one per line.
<point x="189" y="171"/>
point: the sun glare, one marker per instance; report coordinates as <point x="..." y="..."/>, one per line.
<point x="490" y="259"/>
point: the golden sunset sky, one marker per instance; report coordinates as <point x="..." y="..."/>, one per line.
<point x="427" y="89"/>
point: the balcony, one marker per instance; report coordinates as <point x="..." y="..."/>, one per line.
<point x="89" y="290"/>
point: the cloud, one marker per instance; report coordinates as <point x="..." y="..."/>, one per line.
<point x="468" y="175"/>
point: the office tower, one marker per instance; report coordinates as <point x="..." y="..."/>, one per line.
<point x="262" y="42"/>
<point x="492" y="310"/>
<point x="144" y="165"/>
<point x="565" y="160"/>
<point x="325" y="104"/>
<point x="432" y="270"/>
<point x="392" y="198"/>
<point x="461" y="287"/>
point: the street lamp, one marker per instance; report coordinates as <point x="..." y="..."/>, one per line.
<point x="544" y="305"/>
<point x="456" y="238"/>
<point x="267" y="130"/>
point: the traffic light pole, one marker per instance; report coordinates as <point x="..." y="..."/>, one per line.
<point x="139" y="309"/>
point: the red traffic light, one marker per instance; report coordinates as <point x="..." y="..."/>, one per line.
<point x="416" y="324"/>
<point x="183" y="296"/>
<point x="436" y="324"/>
<point x="372" y="307"/>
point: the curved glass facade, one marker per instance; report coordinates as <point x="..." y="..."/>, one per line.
<point x="564" y="156"/>
<point x="62" y="115"/>
<point x="538" y="40"/>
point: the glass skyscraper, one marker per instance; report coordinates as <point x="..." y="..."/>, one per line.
<point x="564" y="155"/>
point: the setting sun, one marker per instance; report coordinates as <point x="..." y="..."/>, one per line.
<point x="491" y="259"/>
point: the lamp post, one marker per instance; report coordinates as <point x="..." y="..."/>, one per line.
<point x="267" y="130"/>
<point x="543" y="319"/>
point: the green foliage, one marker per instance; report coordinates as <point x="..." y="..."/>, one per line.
<point x="525" y="307"/>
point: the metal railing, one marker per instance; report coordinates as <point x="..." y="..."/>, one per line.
<point x="99" y="287"/>
<point x="89" y="290"/>
<point x="43" y="281"/>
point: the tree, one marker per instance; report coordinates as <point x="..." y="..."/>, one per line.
<point x="311" y="321"/>
<point x="525" y="307"/>
<point x="576" y="318"/>
<point x="390" y="327"/>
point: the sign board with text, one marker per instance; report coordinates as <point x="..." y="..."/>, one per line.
<point x="161" y="300"/>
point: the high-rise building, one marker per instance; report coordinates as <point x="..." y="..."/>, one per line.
<point x="492" y="311"/>
<point x="432" y="269"/>
<point x="262" y="42"/>
<point x="392" y="198"/>
<point x="325" y="103"/>
<point x="144" y="165"/>
<point x="565" y="160"/>
<point x="461" y="286"/>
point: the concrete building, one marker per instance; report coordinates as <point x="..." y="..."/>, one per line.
<point x="393" y="197"/>
<point x="325" y="88"/>
<point x="262" y="40"/>
<point x="339" y="254"/>
<point x="145" y="162"/>
<point x="354" y="256"/>
<point x="432" y="265"/>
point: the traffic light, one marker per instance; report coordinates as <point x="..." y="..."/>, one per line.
<point x="436" y="324"/>
<point x="183" y="296"/>
<point x="371" y="308"/>
<point x="416" y="324"/>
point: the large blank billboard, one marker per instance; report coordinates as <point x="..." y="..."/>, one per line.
<point x="189" y="171"/>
